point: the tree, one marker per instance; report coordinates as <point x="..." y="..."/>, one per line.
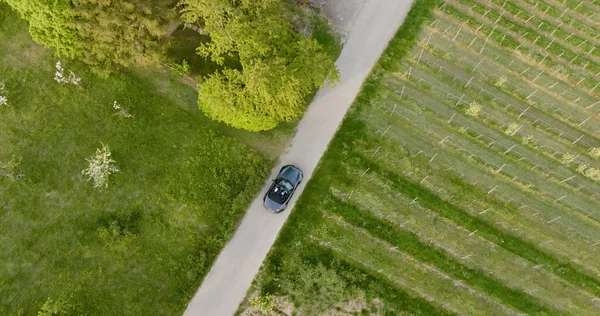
<point x="100" y="167"/>
<point x="102" y="33"/>
<point x="50" y="24"/>
<point x="278" y="67"/>
<point x="120" y="32"/>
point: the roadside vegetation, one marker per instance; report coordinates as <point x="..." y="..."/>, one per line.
<point x="463" y="180"/>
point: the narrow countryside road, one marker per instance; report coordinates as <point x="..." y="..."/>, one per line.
<point x="227" y="282"/>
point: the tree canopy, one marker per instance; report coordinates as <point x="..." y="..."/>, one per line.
<point x="276" y="66"/>
<point x="102" y="33"/>
<point x="50" y="24"/>
<point x="279" y="66"/>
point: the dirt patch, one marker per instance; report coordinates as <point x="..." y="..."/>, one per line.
<point x="22" y="52"/>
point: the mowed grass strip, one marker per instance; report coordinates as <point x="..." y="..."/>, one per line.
<point x="530" y="252"/>
<point x="409" y="243"/>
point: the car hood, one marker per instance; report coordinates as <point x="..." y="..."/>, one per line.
<point x="291" y="174"/>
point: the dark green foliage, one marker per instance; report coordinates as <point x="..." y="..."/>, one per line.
<point x="278" y="66"/>
<point x="50" y="23"/>
<point x="103" y="34"/>
<point x="121" y="33"/>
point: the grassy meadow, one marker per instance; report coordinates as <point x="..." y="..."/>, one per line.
<point x="464" y="179"/>
<point x="142" y="246"/>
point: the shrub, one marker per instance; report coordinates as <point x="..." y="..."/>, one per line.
<point x="595" y="152"/>
<point x="593" y="174"/>
<point x="57" y="307"/>
<point x="183" y="69"/>
<point x="265" y="303"/>
<point x="501" y="81"/>
<point x="527" y="139"/>
<point x="567" y="159"/>
<point x="100" y="167"/>
<point x="474" y="109"/>
<point x="319" y="281"/>
<point x="512" y="129"/>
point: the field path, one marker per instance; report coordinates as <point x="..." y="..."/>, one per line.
<point x="230" y="277"/>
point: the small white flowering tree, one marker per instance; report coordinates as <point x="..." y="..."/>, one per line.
<point x="3" y="98"/>
<point x="60" y="77"/>
<point x="100" y="167"/>
<point x="121" y="111"/>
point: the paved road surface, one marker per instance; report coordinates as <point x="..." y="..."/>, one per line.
<point x="226" y="284"/>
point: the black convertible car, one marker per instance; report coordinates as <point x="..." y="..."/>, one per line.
<point x="282" y="189"/>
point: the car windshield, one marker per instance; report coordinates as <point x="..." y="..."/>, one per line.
<point x="280" y="191"/>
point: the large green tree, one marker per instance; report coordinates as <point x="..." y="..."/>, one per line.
<point x="278" y="67"/>
<point x="102" y="33"/>
<point x="50" y="23"/>
<point x="120" y="32"/>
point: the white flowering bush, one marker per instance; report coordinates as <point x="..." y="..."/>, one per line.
<point x="527" y="139"/>
<point x="60" y="77"/>
<point x="502" y="80"/>
<point x="593" y="174"/>
<point x="121" y="111"/>
<point x="100" y="167"/>
<point x="512" y="129"/>
<point x="474" y="109"/>
<point x="567" y="158"/>
<point x="3" y="98"/>
<point x="595" y="152"/>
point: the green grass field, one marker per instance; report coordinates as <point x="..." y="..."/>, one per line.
<point x="464" y="179"/>
<point x="141" y="246"/>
